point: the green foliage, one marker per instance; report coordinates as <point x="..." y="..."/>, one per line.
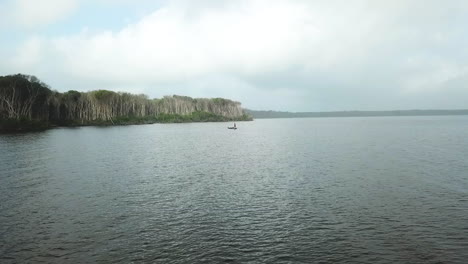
<point x="102" y="95"/>
<point x="246" y="117"/>
<point x="165" y="118"/>
<point x="197" y="116"/>
<point x="181" y="97"/>
<point x="28" y="103"/>
<point x="23" y="96"/>
<point x="220" y="101"/>
<point x="72" y="95"/>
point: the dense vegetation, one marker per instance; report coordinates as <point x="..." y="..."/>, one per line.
<point x="27" y="103"/>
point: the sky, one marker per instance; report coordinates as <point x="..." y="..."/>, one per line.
<point x="286" y="55"/>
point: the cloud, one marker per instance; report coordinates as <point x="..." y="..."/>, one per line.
<point x="188" y="40"/>
<point x="31" y="54"/>
<point x="177" y="41"/>
<point x="434" y="77"/>
<point x="32" y="13"/>
<point x="319" y="54"/>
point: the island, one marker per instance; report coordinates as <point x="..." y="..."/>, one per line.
<point x="26" y="103"/>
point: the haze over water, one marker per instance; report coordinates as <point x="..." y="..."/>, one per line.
<point x="336" y="190"/>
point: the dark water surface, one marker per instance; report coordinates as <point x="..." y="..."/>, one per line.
<point x="330" y="190"/>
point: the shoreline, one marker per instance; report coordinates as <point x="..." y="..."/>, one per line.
<point x="24" y="126"/>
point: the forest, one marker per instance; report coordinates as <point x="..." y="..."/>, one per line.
<point x="26" y="103"/>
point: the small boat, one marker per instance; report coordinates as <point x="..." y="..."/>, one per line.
<point x="233" y="127"/>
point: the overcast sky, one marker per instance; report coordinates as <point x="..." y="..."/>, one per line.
<point x="295" y="55"/>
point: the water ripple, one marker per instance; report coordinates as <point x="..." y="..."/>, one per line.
<point x="389" y="191"/>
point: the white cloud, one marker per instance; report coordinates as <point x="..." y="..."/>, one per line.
<point x="328" y="50"/>
<point x="31" y="54"/>
<point x="184" y="40"/>
<point x="432" y="77"/>
<point x="34" y="13"/>
<point x="175" y="42"/>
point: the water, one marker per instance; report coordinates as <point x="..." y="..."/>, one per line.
<point x="330" y="190"/>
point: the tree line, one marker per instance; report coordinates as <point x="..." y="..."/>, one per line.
<point x="25" y="97"/>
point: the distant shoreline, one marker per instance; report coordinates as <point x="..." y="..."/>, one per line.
<point x="280" y="114"/>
